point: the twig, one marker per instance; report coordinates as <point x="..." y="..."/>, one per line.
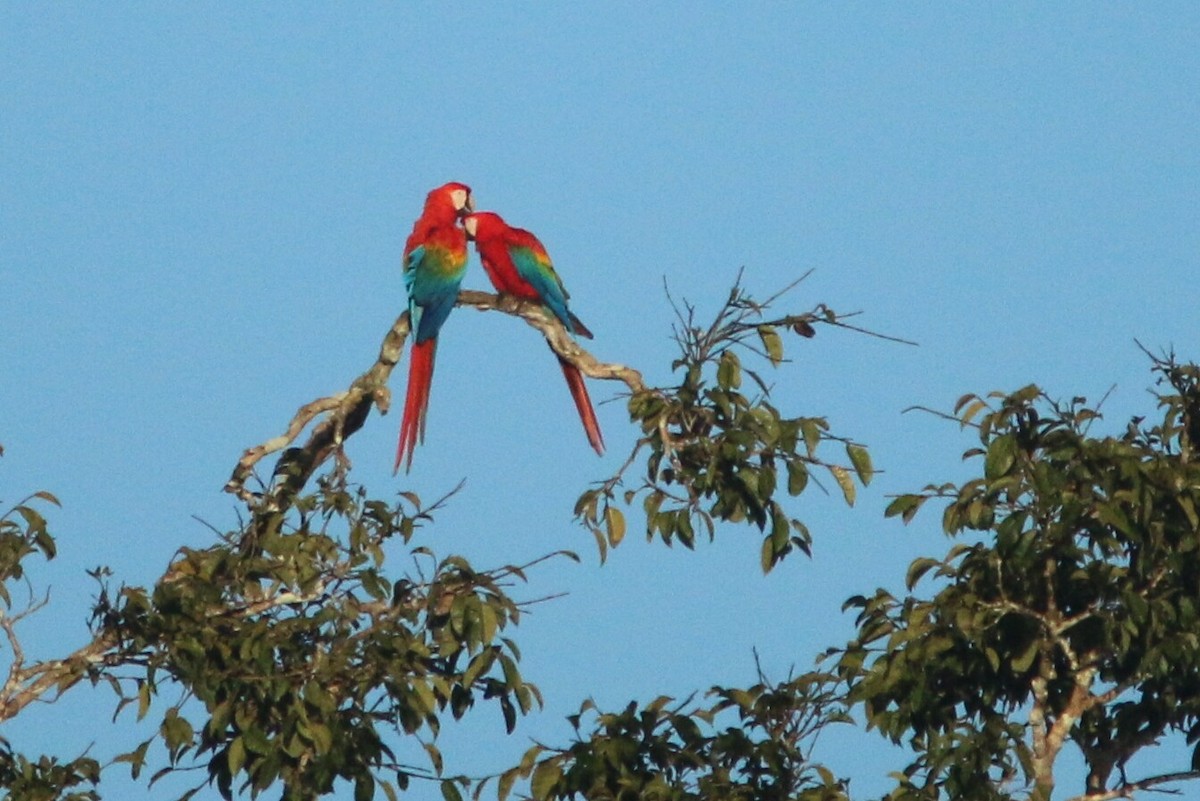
<point x="938" y="413"/>
<point x="869" y="332"/>
<point x="1127" y="790"/>
<point x="771" y="300"/>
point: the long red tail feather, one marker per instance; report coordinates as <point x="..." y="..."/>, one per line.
<point x="416" y="401"/>
<point x="584" y="404"/>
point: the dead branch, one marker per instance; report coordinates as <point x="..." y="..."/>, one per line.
<point x="29" y="684"/>
<point x="1128" y="790"/>
<point x="346" y="412"/>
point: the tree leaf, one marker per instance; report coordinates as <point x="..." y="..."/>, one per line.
<point x="450" y="791"/>
<point x="545" y="777"/>
<point x="435" y="757"/>
<point x="797" y="476"/>
<point x="810" y="429"/>
<point x="143" y="699"/>
<point x="235" y="756"/>
<point x="905" y="505"/>
<point x="767" y="554"/>
<point x="364" y="787"/>
<point x="965" y="416"/>
<point x="729" y="371"/>
<point x="862" y="463"/>
<point x="842" y="476"/>
<point x="1001" y="454"/>
<point x="1024" y="660"/>
<point x="614" y="521"/>
<point x="772" y="343"/>
<point x="505" y="784"/>
<point x="917" y="569"/>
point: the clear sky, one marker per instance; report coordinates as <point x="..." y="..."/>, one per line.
<point x="202" y="208"/>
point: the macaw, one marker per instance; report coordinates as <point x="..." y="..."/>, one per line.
<point x="435" y="259"/>
<point x="517" y="264"/>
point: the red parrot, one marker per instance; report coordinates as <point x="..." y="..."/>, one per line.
<point x="517" y="264"/>
<point x="435" y="259"/>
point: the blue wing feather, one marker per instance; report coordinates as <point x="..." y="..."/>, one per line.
<point x="412" y="262"/>
<point x="541" y="276"/>
<point x="432" y="283"/>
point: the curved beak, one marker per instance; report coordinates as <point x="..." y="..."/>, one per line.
<point x="462" y="201"/>
<point x="468" y="205"/>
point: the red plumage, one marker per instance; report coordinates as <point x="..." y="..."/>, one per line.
<point x="583" y="404"/>
<point x="416" y="401"/>
<point x="440" y="210"/>
<point x="517" y="264"/>
<point x="435" y="258"/>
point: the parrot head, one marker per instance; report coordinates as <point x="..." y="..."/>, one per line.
<point x="482" y="223"/>
<point x="453" y="198"/>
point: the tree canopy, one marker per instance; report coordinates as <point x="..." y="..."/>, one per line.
<point x="293" y="654"/>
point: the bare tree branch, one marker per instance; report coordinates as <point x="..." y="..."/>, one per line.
<point x="30" y="684"/>
<point x="346" y="412"/>
<point x="1127" y="790"/>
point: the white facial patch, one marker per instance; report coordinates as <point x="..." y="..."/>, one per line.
<point x="461" y="198"/>
<point x="470" y="225"/>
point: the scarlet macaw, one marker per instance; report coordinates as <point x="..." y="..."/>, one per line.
<point x="435" y="259"/>
<point x="517" y="264"/>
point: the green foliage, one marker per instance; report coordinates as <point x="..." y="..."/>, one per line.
<point x="292" y="658"/>
<point x="22" y="534"/>
<point x="716" y="453"/>
<point x="747" y="745"/>
<point x="298" y="659"/>
<point x="46" y="779"/>
<point x="288" y="659"/>
<point x="1075" y="605"/>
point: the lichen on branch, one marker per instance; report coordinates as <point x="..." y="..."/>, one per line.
<point x="340" y="415"/>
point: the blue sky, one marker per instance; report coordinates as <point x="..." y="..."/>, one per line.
<point x="202" y="208"/>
